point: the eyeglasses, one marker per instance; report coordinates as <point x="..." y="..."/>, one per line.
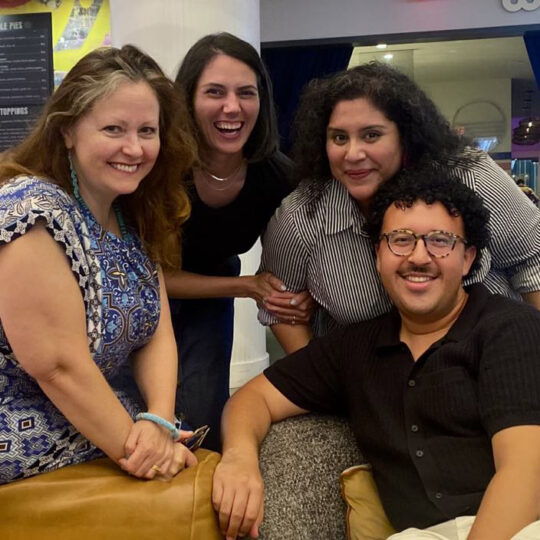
<point x="439" y="244"/>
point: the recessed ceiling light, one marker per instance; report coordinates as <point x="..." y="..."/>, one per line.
<point x="388" y="56"/>
<point x="381" y="45"/>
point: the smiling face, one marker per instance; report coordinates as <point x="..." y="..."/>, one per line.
<point x="226" y="105"/>
<point x="116" y="144"/>
<point x="363" y="148"/>
<point x="423" y="288"/>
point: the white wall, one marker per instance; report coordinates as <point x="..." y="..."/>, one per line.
<point x="451" y="95"/>
<point x="166" y="29"/>
<point x="285" y="20"/>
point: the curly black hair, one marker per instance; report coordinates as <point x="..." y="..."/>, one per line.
<point x="432" y="183"/>
<point x="424" y="132"/>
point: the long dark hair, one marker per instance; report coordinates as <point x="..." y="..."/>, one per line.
<point x="424" y="132"/>
<point x="264" y="139"/>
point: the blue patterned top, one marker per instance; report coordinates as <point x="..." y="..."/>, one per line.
<point x="119" y="285"/>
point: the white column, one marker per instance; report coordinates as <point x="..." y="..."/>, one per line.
<point x="166" y="29"/>
<point x="249" y="356"/>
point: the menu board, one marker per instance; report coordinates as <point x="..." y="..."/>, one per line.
<point x="26" y="73"/>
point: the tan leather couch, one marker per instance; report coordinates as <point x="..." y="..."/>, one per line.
<point x="97" y="501"/>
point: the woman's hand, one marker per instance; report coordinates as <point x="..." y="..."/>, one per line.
<point x="182" y="459"/>
<point x="294" y="309"/>
<point x="149" y="449"/>
<point x="152" y="453"/>
<point x="184" y="435"/>
<point x="271" y="293"/>
<point x="260" y="286"/>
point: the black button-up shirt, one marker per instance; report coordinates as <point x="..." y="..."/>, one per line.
<point x="426" y="426"/>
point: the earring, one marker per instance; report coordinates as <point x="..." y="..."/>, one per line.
<point x="74" y="180"/>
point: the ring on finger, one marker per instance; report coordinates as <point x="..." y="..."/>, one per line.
<point x="156" y="468"/>
<point x="293" y="319"/>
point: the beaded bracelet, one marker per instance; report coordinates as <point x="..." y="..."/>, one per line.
<point x="175" y="432"/>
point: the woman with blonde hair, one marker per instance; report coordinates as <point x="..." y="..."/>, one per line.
<point x="90" y="207"/>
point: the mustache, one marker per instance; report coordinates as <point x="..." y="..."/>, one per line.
<point x="415" y="268"/>
<point x="420" y="269"/>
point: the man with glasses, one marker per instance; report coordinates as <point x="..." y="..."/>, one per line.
<point x="443" y="392"/>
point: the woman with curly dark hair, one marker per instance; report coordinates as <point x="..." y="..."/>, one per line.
<point x="353" y="132"/>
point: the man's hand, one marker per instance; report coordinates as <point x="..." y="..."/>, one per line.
<point x="237" y="493"/>
<point x="237" y="496"/>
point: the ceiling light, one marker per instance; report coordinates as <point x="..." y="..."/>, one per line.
<point x="388" y="56"/>
<point x="381" y="45"/>
<point x="527" y="132"/>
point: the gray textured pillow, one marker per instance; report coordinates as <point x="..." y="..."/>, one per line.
<point x="301" y="460"/>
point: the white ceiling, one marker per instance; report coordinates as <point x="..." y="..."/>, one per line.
<point x="493" y="58"/>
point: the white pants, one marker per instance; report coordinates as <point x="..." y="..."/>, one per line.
<point x="458" y="529"/>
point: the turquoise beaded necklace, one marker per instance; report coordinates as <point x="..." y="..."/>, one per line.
<point x="80" y="200"/>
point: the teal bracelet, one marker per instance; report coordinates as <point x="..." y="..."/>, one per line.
<point x="175" y="432"/>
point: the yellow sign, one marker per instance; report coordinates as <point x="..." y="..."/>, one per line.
<point x="78" y="27"/>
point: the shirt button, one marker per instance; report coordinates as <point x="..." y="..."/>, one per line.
<point x="412" y="383"/>
<point x="438" y="496"/>
<point x="414" y="428"/>
<point x="419" y="453"/>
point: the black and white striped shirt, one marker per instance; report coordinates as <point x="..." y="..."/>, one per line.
<point x="316" y="241"/>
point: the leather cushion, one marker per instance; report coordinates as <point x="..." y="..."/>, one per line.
<point x="98" y="500"/>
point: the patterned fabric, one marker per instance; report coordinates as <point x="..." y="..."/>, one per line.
<point x="119" y="285"/>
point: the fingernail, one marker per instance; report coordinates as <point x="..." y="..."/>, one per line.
<point x="293" y="302"/>
<point x="283" y="287"/>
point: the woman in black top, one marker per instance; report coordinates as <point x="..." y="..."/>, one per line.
<point x="240" y="181"/>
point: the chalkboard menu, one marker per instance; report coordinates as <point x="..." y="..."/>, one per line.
<point x="26" y="73"/>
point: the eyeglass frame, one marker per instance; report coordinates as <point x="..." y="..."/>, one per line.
<point x="455" y="238"/>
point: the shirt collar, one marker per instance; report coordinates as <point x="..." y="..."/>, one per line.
<point x="476" y="302"/>
<point x="341" y="211"/>
<point x="389" y="335"/>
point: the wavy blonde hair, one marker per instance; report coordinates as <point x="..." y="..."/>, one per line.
<point x="160" y="204"/>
